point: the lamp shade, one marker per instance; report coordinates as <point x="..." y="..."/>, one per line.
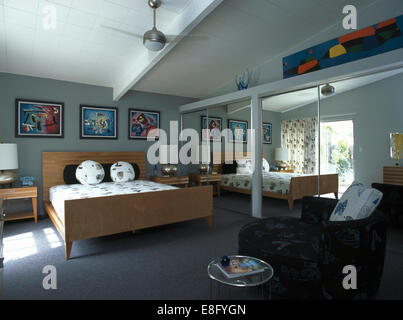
<point x="281" y="154"/>
<point x="8" y="156"/>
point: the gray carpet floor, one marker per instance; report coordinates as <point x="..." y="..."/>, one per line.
<point x="165" y="263"/>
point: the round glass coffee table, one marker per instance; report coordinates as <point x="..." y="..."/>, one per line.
<point x="253" y="280"/>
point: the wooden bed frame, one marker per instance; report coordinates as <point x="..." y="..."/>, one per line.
<point x="299" y="186"/>
<point x="96" y="217"/>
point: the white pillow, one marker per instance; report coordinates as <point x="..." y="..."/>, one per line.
<point x="122" y="172"/>
<point x="90" y="173"/>
<point x="244" y="166"/>
<point x="358" y="202"/>
<point x="265" y="165"/>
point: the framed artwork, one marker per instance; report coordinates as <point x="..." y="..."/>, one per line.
<point x="239" y="131"/>
<point x="98" y="122"/>
<point x="39" y="119"/>
<point x="215" y="127"/>
<point x="267" y="133"/>
<point x="142" y="122"/>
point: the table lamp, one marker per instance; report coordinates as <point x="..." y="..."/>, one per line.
<point x="8" y="161"/>
<point x="167" y="169"/>
<point x="281" y="157"/>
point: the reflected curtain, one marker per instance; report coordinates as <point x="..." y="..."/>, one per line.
<point x="300" y="138"/>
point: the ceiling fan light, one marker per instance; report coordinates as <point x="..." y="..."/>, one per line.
<point x="328" y="90"/>
<point x="153" y="45"/>
<point x="154" y="40"/>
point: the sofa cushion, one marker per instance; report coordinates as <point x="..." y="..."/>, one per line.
<point x="358" y="202"/>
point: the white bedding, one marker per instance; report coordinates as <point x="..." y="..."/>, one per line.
<point x="59" y="194"/>
<point x="276" y="182"/>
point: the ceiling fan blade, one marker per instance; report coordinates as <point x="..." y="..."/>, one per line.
<point x="177" y="38"/>
<point x="128" y="33"/>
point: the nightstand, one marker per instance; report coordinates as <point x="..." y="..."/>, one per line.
<point x="199" y="179"/>
<point x="20" y="192"/>
<point x="172" y="181"/>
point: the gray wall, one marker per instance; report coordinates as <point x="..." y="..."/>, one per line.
<point x="73" y="94"/>
<point x="377" y="111"/>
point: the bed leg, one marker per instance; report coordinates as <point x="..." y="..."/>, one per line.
<point x="291" y="204"/>
<point x="67" y="247"/>
<point x="210" y="221"/>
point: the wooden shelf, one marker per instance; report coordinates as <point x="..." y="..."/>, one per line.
<point x="19" y="216"/>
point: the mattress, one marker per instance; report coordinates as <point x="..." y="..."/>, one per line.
<point x="275" y="182"/>
<point x="59" y="194"/>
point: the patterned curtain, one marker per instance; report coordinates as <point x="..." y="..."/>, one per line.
<point x="300" y="138"/>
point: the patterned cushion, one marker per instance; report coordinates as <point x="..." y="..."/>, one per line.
<point x="90" y="173"/>
<point x="122" y="172"/>
<point x="265" y="165"/>
<point x="284" y="236"/>
<point x="244" y="166"/>
<point x="358" y="202"/>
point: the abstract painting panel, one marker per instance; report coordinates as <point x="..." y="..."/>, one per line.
<point x="267" y="133"/>
<point x="214" y="126"/>
<point x="98" y="122"/>
<point x="39" y="119"/>
<point x="239" y="131"/>
<point x="380" y="38"/>
<point x="143" y="124"/>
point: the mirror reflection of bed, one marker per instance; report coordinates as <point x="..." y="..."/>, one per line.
<point x="276" y="184"/>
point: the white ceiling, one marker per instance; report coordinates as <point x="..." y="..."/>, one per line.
<point x="293" y="100"/>
<point x="240" y="33"/>
<point x="78" y="49"/>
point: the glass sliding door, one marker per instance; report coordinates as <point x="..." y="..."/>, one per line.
<point x="337" y="150"/>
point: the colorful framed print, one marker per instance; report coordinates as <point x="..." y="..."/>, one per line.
<point x="367" y="42"/>
<point x="267" y="133"/>
<point x="239" y="131"/>
<point x="215" y="127"/>
<point x="143" y="124"/>
<point x="98" y="122"/>
<point x="36" y="119"/>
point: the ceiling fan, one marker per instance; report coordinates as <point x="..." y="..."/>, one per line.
<point x="154" y="39"/>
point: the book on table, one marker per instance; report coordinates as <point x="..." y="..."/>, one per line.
<point x="240" y="267"/>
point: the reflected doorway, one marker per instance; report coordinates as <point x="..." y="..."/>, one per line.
<point x="337" y="151"/>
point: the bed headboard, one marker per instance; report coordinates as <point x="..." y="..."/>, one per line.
<point x="53" y="164"/>
<point x="219" y="158"/>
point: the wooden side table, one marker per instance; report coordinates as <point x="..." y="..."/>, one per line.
<point x="172" y="181"/>
<point x="18" y="192"/>
<point x="199" y="179"/>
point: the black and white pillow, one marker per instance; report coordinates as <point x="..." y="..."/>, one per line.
<point x="122" y="172"/>
<point x="265" y="165"/>
<point x="90" y="173"/>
